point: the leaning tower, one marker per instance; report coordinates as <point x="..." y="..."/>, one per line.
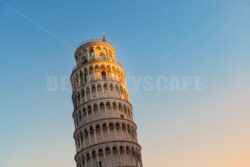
<point x="105" y="133"/>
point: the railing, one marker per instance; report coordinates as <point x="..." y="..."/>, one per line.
<point x="93" y="40"/>
<point x="96" y="61"/>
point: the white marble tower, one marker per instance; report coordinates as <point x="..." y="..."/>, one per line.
<point x="105" y="133"/>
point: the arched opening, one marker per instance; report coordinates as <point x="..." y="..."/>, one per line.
<point x="107" y="150"/>
<point x="108" y="106"/>
<point x="105" y="87"/>
<point x="80" y="115"/>
<point x="98" y="128"/>
<point x="104" y="76"/>
<point x="85" y="56"/>
<point x="102" y="108"/>
<point x="111" y="126"/>
<point x="100" y="163"/>
<point x="99" y="90"/>
<point x="81" y="77"/>
<point x="109" y="72"/>
<point x="88" y="94"/>
<point x="101" y="57"/>
<point x="91" y="130"/>
<point x="104" y="127"/>
<point x="85" y="77"/>
<point x="91" y="74"/>
<point x="95" y="108"/>
<point x="92" y="55"/>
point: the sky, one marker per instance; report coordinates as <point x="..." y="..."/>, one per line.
<point x="156" y="39"/>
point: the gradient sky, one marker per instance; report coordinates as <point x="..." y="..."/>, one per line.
<point x="154" y="38"/>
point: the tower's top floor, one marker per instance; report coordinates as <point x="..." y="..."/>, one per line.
<point x="95" y="50"/>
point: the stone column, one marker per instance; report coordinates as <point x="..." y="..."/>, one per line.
<point x="89" y="137"/>
<point x="95" y="135"/>
<point x="85" y="95"/>
<point x="102" y="134"/>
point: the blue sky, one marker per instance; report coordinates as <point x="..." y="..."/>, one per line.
<point x="152" y="38"/>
